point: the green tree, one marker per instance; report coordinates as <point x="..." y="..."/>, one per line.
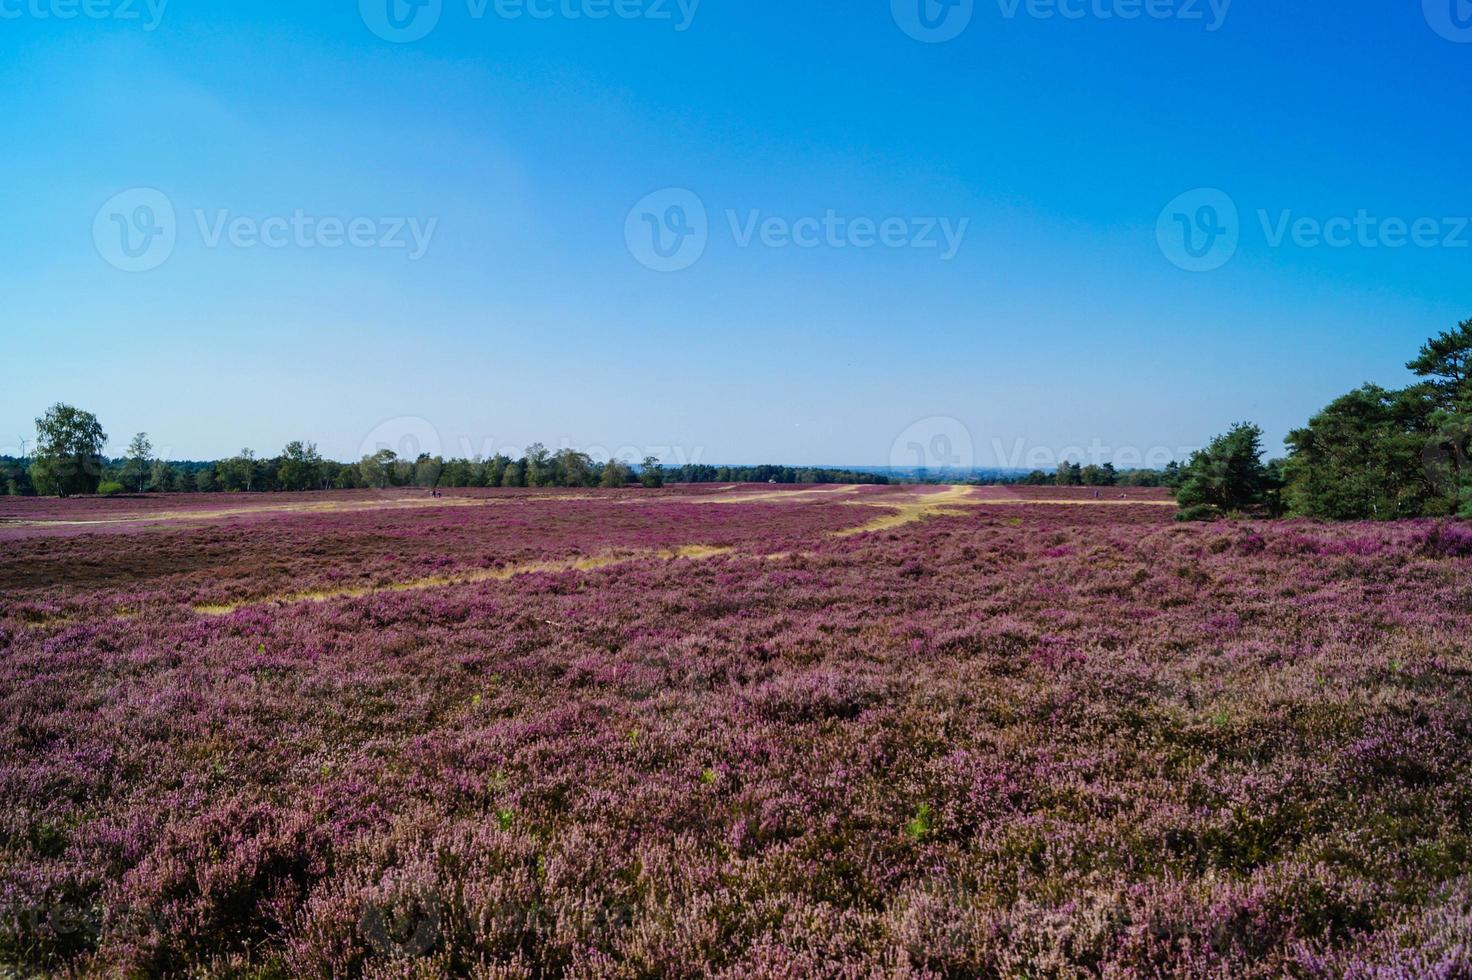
<point x="237" y="473"/>
<point x="651" y="473"/>
<point x="68" y="457"/>
<point x="1228" y="476"/>
<point x="1446" y="360"/>
<point x="574" y="469"/>
<point x="496" y="469"/>
<point x="378" y="470"/>
<point x="162" y="478"/>
<point x="139" y="462"/>
<point x="614" y="476"/>
<point x="427" y="470"/>
<point x="537" y="460"/>
<point x="300" y="467"/>
<point x="15" y="479"/>
<point x="1069" y="474"/>
<point x="1363" y="457"/>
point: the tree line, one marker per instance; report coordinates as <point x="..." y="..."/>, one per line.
<point x="1098" y="475"/>
<point x="1371" y="454"/>
<point x="69" y="461"/>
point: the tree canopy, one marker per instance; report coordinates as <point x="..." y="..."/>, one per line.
<point x="1228" y="476"/>
<point x="68" y="456"/>
<point x="1383" y="454"/>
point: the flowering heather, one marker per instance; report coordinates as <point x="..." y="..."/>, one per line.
<point x="636" y="734"/>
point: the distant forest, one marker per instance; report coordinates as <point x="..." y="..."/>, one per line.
<point x="300" y="467"/>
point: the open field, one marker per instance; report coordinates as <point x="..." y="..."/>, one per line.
<point x="731" y="731"/>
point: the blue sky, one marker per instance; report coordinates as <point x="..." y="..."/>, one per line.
<point x="521" y="148"/>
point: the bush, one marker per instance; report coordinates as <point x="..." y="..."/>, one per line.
<point x="1198" y="512"/>
<point x="109" y="488"/>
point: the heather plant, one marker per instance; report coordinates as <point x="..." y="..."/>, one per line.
<point x="1005" y="739"/>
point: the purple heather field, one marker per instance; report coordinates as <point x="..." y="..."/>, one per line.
<point x="741" y="732"/>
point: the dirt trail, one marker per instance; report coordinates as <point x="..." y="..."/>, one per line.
<point x="693" y="552"/>
<point x="948" y="503"/>
<point x="324" y="507"/>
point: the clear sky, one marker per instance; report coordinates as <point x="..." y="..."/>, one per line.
<point x="168" y="169"/>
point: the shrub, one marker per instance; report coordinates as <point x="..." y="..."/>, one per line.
<point x="109" y="488"/>
<point x="1198" y="512"/>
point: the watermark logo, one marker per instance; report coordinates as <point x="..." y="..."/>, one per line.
<point x="1363" y="230"/>
<point x="936" y="443"/>
<point x="406" y="436"/>
<point x="1022" y="455"/>
<point x="933" y="21"/>
<point x="1452" y="19"/>
<point x="679" y="13"/>
<point x="1212" y="14"/>
<point x="668" y="230"/>
<point x="388" y="456"/>
<point x="1200" y="230"/>
<point x="405" y="21"/>
<point x="135" y="230"/>
<point x="307" y="231"/>
<point x="401" y="21"/>
<point x="149" y="12"/>
<point x="835" y="231"/>
<point x="406" y="928"/>
<point x="1446" y="458"/>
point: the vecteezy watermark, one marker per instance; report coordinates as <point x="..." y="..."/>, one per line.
<point x="833" y="230"/>
<point x="1452" y="19"/>
<point x="933" y="21"/>
<point x="1201" y="230"/>
<point x="149" y="13"/>
<point x="1020" y="455"/>
<point x="936" y="443"/>
<point x="1364" y="230"/>
<point x="942" y="444"/>
<point x="306" y="231"/>
<point x="389" y="454"/>
<point x="405" y="436"/>
<point x="938" y="21"/>
<point x="1211" y="14"/>
<point x="405" y="21"/>
<point x="137" y="230"/>
<point x="404" y="926"/>
<point x="401" y="21"/>
<point x="669" y="230"/>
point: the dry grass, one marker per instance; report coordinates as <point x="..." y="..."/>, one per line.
<point x="693" y="552"/>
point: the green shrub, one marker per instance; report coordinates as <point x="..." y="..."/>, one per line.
<point x="108" y="488"/>
<point x="1199" y="512"/>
